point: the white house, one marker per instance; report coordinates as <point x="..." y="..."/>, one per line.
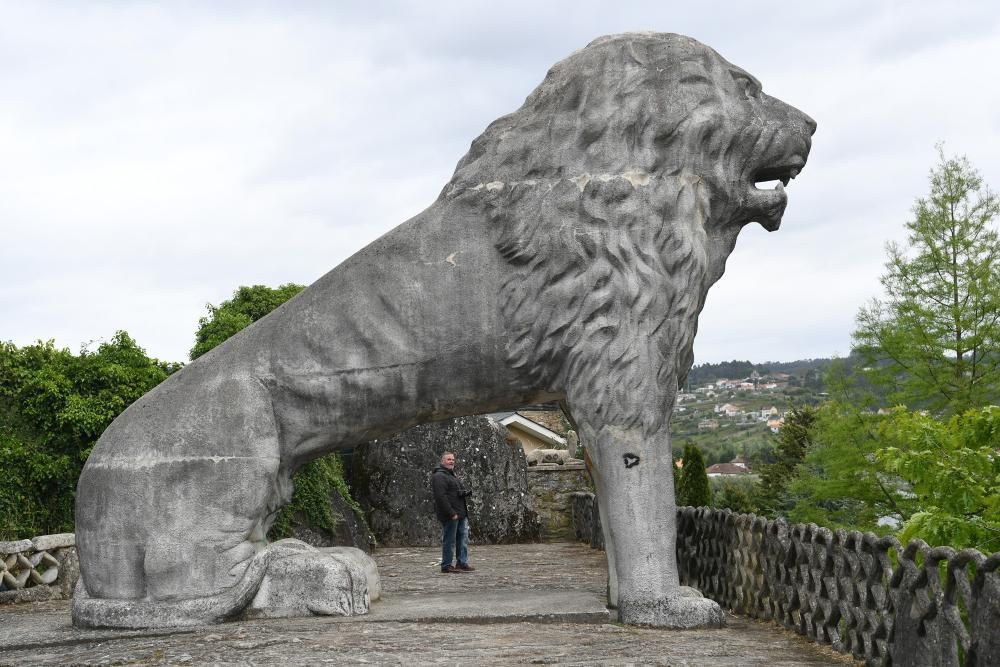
<point x="767" y="413"/>
<point x="530" y="434"/>
<point x="729" y="410"/>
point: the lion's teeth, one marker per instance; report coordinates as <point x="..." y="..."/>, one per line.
<point x="784" y="181"/>
<point x="794" y="172"/>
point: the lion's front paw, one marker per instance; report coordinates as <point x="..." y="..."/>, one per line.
<point x="680" y="611"/>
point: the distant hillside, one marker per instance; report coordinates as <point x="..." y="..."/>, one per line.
<point x="807" y="371"/>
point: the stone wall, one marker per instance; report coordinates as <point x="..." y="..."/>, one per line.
<point x="552" y="488"/>
<point x="42" y="568"/>
<point x="865" y="595"/>
<point x="391" y="482"/>
<point x="349" y="530"/>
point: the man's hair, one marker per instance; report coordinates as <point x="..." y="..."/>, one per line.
<point x="444" y="454"/>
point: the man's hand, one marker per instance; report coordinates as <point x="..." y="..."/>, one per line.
<point x="454" y="517"/>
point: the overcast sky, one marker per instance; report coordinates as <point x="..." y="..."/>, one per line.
<point x="155" y="156"/>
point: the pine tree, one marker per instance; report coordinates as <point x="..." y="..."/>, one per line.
<point x="692" y="485"/>
<point x="793" y="443"/>
<point x="934" y="340"/>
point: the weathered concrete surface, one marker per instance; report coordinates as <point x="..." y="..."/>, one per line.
<point x="552" y="486"/>
<point x="338" y="581"/>
<point x="41" y="634"/>
<point x="391" y="482"/>
<point x="587" y="519"/>
<point x="301" y="580"/>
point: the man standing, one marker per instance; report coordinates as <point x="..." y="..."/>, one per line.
<point x="452" y="512"/>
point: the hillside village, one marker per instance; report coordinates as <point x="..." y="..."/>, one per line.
<point x="755" y="386"/>
<point x="735" y="420"/>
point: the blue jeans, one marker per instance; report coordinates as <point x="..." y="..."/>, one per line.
<point x="457" y="528"/>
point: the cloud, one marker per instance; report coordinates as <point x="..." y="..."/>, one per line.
<point x="155" y="156"/>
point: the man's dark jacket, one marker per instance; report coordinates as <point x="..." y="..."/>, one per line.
<point x="449" y="494"/>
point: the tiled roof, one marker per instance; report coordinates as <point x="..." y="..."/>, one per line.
<point x="726" y="469"/>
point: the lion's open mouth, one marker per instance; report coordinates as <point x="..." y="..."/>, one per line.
<point x="783" y="173"/>
<point x="767" y="196"/>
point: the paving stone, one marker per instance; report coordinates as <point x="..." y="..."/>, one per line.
<point x="509" y="579"/>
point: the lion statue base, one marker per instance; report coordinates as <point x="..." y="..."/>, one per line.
<point x="294" y="579"/>
<point x="567" y="259"/>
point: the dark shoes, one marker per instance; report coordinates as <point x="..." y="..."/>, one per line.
<point x="461" y="567"/>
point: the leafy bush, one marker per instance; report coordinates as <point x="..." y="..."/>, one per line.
<point x="952" y="469"/>
<point x="53" y="407"/>
<point x="937" y="479"/>
<point x="739" y="494"/>
<point x="314" y="483"/>
<point x="248" y="305"/>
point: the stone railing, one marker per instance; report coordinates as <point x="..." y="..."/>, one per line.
<point x="865" y="595"/>
<point x="43" y="568"/>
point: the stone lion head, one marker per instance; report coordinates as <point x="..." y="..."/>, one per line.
<point x="617" y="192"/>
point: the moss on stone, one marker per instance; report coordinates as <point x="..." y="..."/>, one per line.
<point x="313" y="485"/>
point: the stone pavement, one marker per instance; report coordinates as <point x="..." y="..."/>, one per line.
<point x="525" y="604"/>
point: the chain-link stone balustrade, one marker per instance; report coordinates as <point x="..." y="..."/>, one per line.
<point x="43" y="568"/>
<point x="865" y="595"/>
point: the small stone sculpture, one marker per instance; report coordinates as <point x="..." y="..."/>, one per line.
<point x="567" y="259"/>
<point x="300" y="582"/>
<point x="550" y="456"/>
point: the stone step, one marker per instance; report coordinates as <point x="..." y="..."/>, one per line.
<point x="491" y="606"/>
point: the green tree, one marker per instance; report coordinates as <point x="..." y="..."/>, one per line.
<point x="248" y="305"/>
<point x="934" y="340"/>
<point x="839" y="483"/>
<point x="739" y="494"/>
<point x="692" y="483"/>
<point x="952" y="471"/>
<point x="53" y="407"/>
<point x="793" y="443"/>
<point x="902" y="471"/>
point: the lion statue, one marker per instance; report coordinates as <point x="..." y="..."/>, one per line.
<point x="567" y="259"/>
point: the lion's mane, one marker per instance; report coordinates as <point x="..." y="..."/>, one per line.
<point x="610" y="194"/>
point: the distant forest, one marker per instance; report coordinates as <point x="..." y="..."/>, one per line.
<point x="810" y="371"/>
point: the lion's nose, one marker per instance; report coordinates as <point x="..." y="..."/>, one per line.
<point x="810" y="123"/>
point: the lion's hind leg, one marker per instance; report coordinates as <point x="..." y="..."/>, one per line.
<point x="91" y="612"/>
<point x="287" y="578"/>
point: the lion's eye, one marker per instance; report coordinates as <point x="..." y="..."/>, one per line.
<point x="696" y="79"/>
<point x="750" y="85"/>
